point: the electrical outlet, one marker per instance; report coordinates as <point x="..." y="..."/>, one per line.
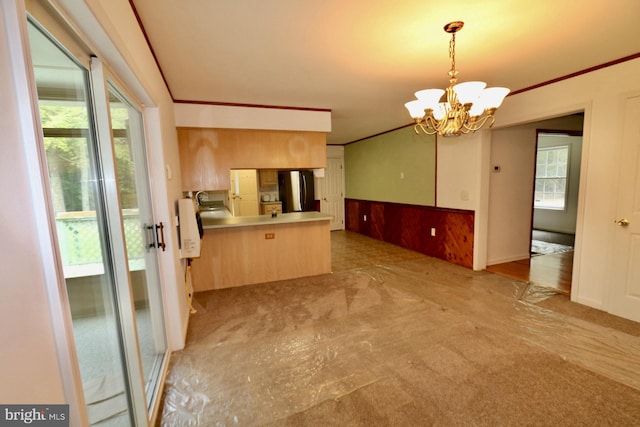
<point x="364" y="218"/>
<point x="433" y="231"/>
<point x="269" y="236"/>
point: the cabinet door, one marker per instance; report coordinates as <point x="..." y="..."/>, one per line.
<point x="203" y="165"/>
<point x="268" y="177"/>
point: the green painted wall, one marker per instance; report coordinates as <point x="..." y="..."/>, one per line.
<point x="373" y="168"/>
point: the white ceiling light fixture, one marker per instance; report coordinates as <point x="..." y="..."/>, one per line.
<point x="468" y="106"/>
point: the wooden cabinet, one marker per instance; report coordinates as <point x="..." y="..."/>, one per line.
<point x="268" y="177"/>
<point x="267" y="208"/>
<point x="207" y="155"/>
<point x="238" y="256"/>
<point x="203" y="166"/>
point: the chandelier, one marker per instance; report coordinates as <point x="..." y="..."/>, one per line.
<point x="467" y="108"/>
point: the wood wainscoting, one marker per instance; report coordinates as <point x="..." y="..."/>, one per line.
<point x="410" y="226"/>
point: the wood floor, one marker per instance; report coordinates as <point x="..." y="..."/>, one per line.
<point x="553" y="270"/>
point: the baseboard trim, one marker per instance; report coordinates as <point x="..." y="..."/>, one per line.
<point x="508" y="259"/>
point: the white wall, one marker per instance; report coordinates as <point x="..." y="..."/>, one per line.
<point x="511" y="194"/>
<point x="241" y="117"/>
<point x="599" y="94"/>
<point x="462" y="182"/>
<point x="458" y="168"/>
<point x="335" y="151"/>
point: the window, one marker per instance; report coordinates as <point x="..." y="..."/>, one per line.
<point x="552" y="165"/>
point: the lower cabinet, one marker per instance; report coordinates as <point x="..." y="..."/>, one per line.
<point x="267" y="208"/>
<point x="245" y="255"/>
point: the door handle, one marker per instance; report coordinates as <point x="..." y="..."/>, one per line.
<point x="622" y="222"/>
<point x="149" y="237"/>
<point x="160" y="242"/>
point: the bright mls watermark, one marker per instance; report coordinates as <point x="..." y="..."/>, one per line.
<point x="34" y="415"/>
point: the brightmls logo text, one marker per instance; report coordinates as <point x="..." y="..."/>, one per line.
<point x="34" y="415"/>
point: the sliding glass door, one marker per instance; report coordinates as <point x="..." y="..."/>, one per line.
<point x="142" y="236"/>
<point x="96" y="160"/>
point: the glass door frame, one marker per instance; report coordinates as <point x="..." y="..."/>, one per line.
<point x="113" y="213"/>
<point x="101" y="80"/>
<point x="74" y="393"/>
<point x="15" y="19"/>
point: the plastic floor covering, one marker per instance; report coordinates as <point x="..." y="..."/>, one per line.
<point x="396" y="338"/>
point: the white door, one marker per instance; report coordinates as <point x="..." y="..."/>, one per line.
<point x="625" y="290"/>
<point x="332" y="190"/>
<point x="244" y="192"/>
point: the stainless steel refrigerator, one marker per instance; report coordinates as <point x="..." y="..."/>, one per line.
<point x="296" y="190"/>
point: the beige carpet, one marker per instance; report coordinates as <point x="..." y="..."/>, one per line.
<point x="402" y="339"/>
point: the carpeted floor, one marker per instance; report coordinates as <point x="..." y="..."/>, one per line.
<point x="396" y="338"/>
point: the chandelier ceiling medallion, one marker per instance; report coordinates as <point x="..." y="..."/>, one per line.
<point x="467" y="108"/>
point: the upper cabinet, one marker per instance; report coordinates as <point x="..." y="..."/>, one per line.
<point x="207" y="155"/>
<point x="268" y="177"/>
<point x="203" y="165"/>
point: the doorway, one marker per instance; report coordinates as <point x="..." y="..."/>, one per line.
<point x="533" y="201"/>
<point x="331" y="192"/>
<point x="243" y="195"/>
<point x="555" y="207"/>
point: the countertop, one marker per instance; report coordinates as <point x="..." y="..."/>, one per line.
<point x="209" y="222"/>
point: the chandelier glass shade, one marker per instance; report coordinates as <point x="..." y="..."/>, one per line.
<point x="460" y="108"/>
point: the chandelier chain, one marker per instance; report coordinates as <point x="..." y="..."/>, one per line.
<point x="452" y="52"/>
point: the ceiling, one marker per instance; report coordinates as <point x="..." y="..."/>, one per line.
<point x="364" y="59"/>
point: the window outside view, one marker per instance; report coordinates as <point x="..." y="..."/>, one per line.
<point x="551" y="178"/>
<point x="65" y="125"/>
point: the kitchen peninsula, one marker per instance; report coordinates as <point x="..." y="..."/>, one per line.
<point x="239" y="251"/>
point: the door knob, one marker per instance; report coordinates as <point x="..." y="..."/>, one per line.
<point x="622" y="222"/>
